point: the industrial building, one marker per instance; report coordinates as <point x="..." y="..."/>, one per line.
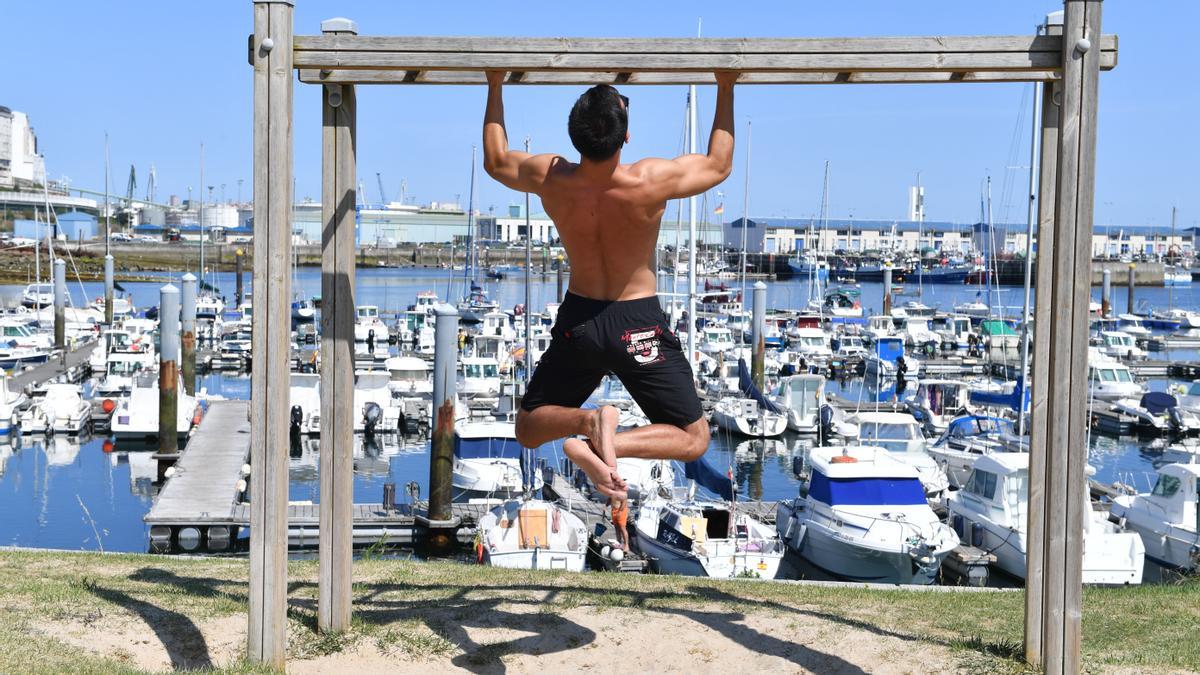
<point x="20" y="163"/>
<point x="73" y="226"/>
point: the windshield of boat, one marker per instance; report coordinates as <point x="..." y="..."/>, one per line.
<point x="13" y="330"/>
<point x="979" y="426"/>
<point x="812" y="341"/>
<point x="481" y="370"/>
<point x="1166" y="486"/>
<point x="124" y="367"/>
<point x="866" y="491"/>
<point x="41" y="288"/>
<point x="1195" y="389"/>
<point x="409" y="375"/>
<point x="368" y="312"/>
<point x="889" y="431"/>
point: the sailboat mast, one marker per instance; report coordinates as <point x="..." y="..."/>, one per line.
<point x="1175" y="269"/>
<point x="107" y="218"/>
<point x="989" y="259"/>
<point x="692" y="237"/>
<point x="1031" y="217"/>
<point x="471" y="218"/>
<point x="528" y="293"/>
<point x="201" y="217"/>
<point x="745" y="211"/>
<point x="920" y="204"/>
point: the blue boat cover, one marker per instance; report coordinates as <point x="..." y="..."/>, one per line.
<point x="866" y="491"/>
<point x="1011" y="399"/>
<point x="1156" y="402"/>
<point x="751" y="391"/>
<point x="709" y="478"/>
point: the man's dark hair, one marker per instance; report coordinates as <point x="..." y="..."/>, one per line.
<point x="598" y="123"/>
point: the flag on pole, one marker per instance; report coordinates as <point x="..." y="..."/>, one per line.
<point x="720" y="209"/>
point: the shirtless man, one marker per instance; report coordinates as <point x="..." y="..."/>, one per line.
<point x="608" y="215"/>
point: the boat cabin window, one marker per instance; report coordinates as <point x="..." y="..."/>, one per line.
<point x="902" y="432"/>
<point x="16" y="331"/>
<point x="409" y="375"/>
<point x="1167" y="486"/>
<point x="866" y="491"/>
<point x="481" y="370"/>
<point x="981" y="483"/>
<point x="124" y="367"/>
<point x="812" y="341"/>
<point x="717" y="523"/>
<point x="368" y="312"/>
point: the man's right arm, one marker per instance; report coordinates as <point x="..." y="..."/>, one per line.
<point x="693" y="174"/>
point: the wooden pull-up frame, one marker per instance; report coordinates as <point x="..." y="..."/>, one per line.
<point x="1066" y="58"/>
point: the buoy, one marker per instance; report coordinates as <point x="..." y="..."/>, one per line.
<point x="196" y="418"/>
<point x="617" y="555"/>
<point x="605" y="552"/>
<point x="108" y="406"/>
<point x="107" y="447"/>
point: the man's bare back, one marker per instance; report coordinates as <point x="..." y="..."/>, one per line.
<point x="607" y="213"/>
<point x="608" y="216"/>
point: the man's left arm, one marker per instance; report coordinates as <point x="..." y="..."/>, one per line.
<point x="513" y="168"/>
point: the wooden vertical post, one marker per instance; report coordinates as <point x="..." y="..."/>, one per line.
<point x="1060" y="475"/>
<point x="271" y="55"/>
<point x="1040" y="380"/>
<point x="337" y="348"/>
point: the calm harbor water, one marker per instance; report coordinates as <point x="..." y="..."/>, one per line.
<point x="86" y="494"/>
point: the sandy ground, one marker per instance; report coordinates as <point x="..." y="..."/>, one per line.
<point x="520" y="638"/>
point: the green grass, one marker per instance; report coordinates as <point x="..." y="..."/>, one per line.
<point x="412" y="609"/>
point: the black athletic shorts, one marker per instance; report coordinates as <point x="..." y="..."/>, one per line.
<point x="628" y="338"/>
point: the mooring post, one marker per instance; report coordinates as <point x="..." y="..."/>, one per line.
<point x="445" y="369"/>
<point x="1106" y="293"/>
<point x="168" y="370"/>
<point x="338" y="197"/>
<point x="271" y="55"/>
<point x="561" y="264"/>
<point x="1132" y="286"/>
<point x="759" y="327"/>
<point x="60" y="306"/>
<point x="887" y="288"/>
<point x="187" y="328"/>
<point x="239" y="293"/>
<point x="109" y="282"/>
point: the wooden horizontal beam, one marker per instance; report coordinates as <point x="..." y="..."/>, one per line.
<point x="460" y="77"/>
<point x="460" y="60"/>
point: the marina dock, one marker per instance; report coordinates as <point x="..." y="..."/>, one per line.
<point x="74" y="366"/>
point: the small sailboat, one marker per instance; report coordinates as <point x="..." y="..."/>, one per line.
<point x="699" y="537"/>
<point x="753" y="414"/>
<point x="533" y="535"/>
<point x="863" y="516"/>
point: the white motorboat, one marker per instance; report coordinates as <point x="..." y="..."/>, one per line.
<point x="120" y="371"/>
<point x="1132" y="324"/>
<point x="11" y="403"/>
<point x="968" y="437"/>
<point x="488" y="461"/>
<point x="746" y="417"/>
<point x="1119" y="344"/>
<point x="377" y="411"/>
<point x="645" y="477"/>
<point x="122" y="306"/>
<point x="209" y="307"/>
<point x="136" y="417"/>
<point x="705" y="538"/>
<point x="18" y="331"/>
<point x="801" y="397"/>
<point x="716" y="339"/>
<point x="38" y="295"/>
<point x="1158" y="412"/>
<point x="811" y="343"/>
<point x="368" y="326"/>
<point x="1109" y="380"/>
<point x="863" y="516"/>
<point x="1188" y="319"/>
<point x="533" y="535"/>
<point x="61" y="410"/>
<point x="1189" y="396"/>
<point x="849" y="345"/>
<point x="991" y="512"/>
<point x="410" y="376"/>
<point x="480" y="378"/>
<point x="304" y="394"/>
<point x="12" y="358"/>
<point x="1166" y="518"/>
<point x="900" y="434"/>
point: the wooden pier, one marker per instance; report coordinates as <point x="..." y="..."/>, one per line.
<point x="75" y="366"/>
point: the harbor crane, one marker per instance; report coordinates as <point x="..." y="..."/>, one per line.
<point x="382" y="196"/>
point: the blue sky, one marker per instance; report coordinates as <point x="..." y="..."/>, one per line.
<point x="161" y="77"/>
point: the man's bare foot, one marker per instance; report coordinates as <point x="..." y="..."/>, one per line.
<point x="602" y="477"/>
<point x="602" y="429"/>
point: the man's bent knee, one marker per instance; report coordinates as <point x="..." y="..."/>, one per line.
<point x="697" y="439"/>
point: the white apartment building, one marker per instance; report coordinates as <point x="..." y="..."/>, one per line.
<point x="20" y="163"/>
